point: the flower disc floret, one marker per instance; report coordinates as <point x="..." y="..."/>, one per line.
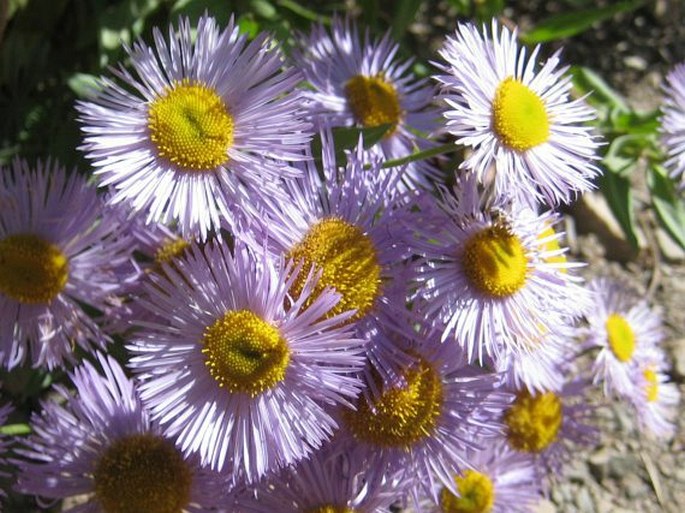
<point x="519" y="117"/>
<point x="348" y="260"/>
<point x="495" y="261"/>
<point x="191" y="127"/>
<point x="533" y="421"/>
<point x="621" y="337"/>
<point x="373" y="101"/>
<point x="142" y="472"/>
<point x="652" y="385"/>
<point x="32" y="270"/>
<point x="244" y="353"/>
<point x="403" y="415"/>
<point x="329" y="508"/>
<point x="476" y="494"/>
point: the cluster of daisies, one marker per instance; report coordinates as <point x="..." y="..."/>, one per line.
<point x="302" y="330"/>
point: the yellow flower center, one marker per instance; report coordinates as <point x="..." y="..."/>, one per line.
<point x="400" y="416"/>
<point x="373" y="101"/>
<point x="652" y="387"/>
<point x="329" y="508"/>
<point x="519" y="117"/>
<point x="476" y="494"/>
<point x="621" y="337"/>
<point x="191" y="127"/>
<point x="142" y="473"/>
<point x="495" y="261"/>
<point x="244" y="353"/>
<point x="552" y="244"/>
<point x="170" y="250"/>
<point x="32" y="270"/>
<point x="533" y="422"/>
<point x="349" y="263"/>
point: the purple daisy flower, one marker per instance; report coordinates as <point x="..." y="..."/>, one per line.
<point x="494" y="272"/>
<point x="548" y="425"/>
<point x="100" y="445"/>
<point x="654" y="397"/>
<point x="59" y="250"/>
<point x="622" y="326"/>
<point x="238" y="370"/>
<point x="673" y="122"/>
<point x="500" y="480"/>
<point x="539" y="367"/>
<point x="366" y="85"/>
<point x="345" y="225"/>
<point x="334" y="479"/>
<point x="423" y="424"/>
<point x="516" y="117"/>
<point x="200" y="130"/>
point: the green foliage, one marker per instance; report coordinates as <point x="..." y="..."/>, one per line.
<point x="569" y="24"/>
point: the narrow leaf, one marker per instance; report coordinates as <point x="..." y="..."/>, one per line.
<point x="616" y="190"/>
<point x="669" y="207"/>
<point x="571" y="23"/>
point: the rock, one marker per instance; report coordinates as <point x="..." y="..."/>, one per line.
<point x="593" y="214"/>
<point x="623" y="465"/>
<point x="634" y="487"/>
<point x="544" y="506"/>
<point x="598" y="463"/>
<point x="678" y="355"/>
<point x="669" y="249"/>
<point x="584" y="501"/>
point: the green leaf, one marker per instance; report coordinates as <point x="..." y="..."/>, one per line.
<point x="263" y="8"/>
<point x="622" y="154"/>
<point x="669" y="206"/>
<point x="405" y="12"/>
<point x="83" y="85"/>
<point x="616" y="190"/>
<point x="15" y="429"/>
<point x="569" y="24"/>
<point x="637" y="123"/>
<point x="347" y="138"/>
<point x="587" y="81"/>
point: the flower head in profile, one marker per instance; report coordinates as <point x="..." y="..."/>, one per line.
<point x="494" y="276"/>
<point x="100" y="444"/>
<point x="516" y="118"/>
<point x="500" y="480"/>
<point x="236" y="369"/>
<point x="336" y="479"/>
<point x="59" y="250"/>
<point x="622" y="326"/>
<point x="673" y="122"/>
<point x="199" y="129"/>
<point x="654" y="397"/>
<point x="366" y="84"/>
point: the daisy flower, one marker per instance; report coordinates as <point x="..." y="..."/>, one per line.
<point x="59" y="250"/>
<point x="493" y="273"/>
<point x="540" y="367"/>
<point x="422" y="425"/>
<point x="673" y="122"/>
<point x="622" y="326"/>
<point x="516" y="117"/>
<point x="654" y="398"/>
<point x="237" y="370"/>
<point x="501" y="480"/>
<point x="346" y="225"/>
<point x="365" y="84"/>
<point x="548" y="425"/>
<point x="199" y="129"/>
<point x="100" y="444"/>
<point x="336" y="479"/>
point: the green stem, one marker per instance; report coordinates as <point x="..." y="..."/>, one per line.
<point x="420" y="155"/>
